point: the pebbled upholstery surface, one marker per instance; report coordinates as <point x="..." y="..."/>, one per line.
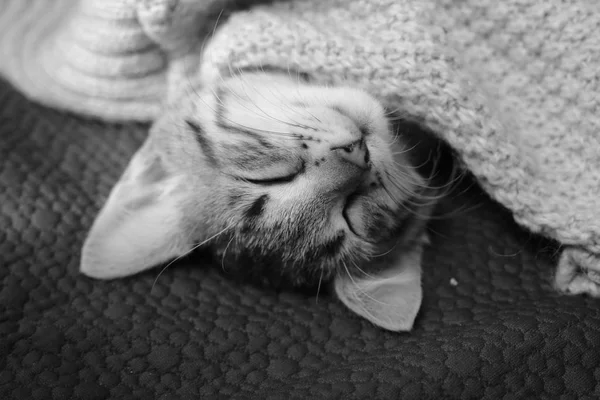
<point x="501" y="332"/>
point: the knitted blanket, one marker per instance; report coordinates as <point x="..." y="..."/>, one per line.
<point x="512" y="86"/>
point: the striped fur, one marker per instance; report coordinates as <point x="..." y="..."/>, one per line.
<point x="268" y="147"/>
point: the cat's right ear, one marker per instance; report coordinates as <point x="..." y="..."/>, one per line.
<point x="141" y="223"/>
<point x="390" y="299"/>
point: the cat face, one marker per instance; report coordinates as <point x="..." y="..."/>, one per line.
<point x="289" y="183"/>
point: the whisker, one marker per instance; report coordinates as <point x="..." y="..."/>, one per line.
<point x="414" y="204"/>
<point x="188" y="252"/>
<point x="405" y="185"/>
<point x="224" y="253"/>
<point x="242" y="101"/>
<point x="422" y="192"/>
<point x="395" y="137"/>
<point x="393" y="115"/>
<point x="298" y="85"/>
<point x="206" y="39"/>
<point x="387" y="252"/>
<point x="427" y="200"/>
<point x="259" y="92"/>
<point x="298" y="80"/>
<point x="319" y="286"/>
<point x="407" y="202"/>
<point x="262" y="70"/>
<point x="406" y="150"/>
<point x="192" y="86"/>
<point x="360" y="290"/>
<point x="457" y="211"/>
<point x="266" y="131"/>
<point x="516" y="253"/>
<point x="285" y="135"/>
<point x="363" y="272"/>
<point x="404" y="178"/>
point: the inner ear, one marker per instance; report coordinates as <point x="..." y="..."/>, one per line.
<point x="153" y="171"/>
<point x="142" y="223"/>
<point x="390" y="299"/>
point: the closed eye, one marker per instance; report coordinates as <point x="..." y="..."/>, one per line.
<point x="283" y="178"/>
<point x="272" y="181"/>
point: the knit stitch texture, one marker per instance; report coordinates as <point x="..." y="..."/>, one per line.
<point x="512" y="86"/>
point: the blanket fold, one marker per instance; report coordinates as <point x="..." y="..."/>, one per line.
<point x="513" y="86"/>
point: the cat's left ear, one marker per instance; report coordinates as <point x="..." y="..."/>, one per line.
<point x="392" y="298"/>
<point x="141" y="223"/>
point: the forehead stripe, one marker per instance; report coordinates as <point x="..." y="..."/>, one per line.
<point x="204" y="142"/>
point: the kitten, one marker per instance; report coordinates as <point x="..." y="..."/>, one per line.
<point x="288" y="182"/>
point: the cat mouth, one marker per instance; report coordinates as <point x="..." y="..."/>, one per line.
<point x="350" y="211"/>
<point x="367" y="219"/>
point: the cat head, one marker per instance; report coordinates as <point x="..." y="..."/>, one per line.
<point x="287" y="182"/>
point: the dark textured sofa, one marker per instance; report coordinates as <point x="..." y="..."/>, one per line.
<point x="490" y="326"/>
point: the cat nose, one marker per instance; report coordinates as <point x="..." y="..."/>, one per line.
<point x="355" y="153"/>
